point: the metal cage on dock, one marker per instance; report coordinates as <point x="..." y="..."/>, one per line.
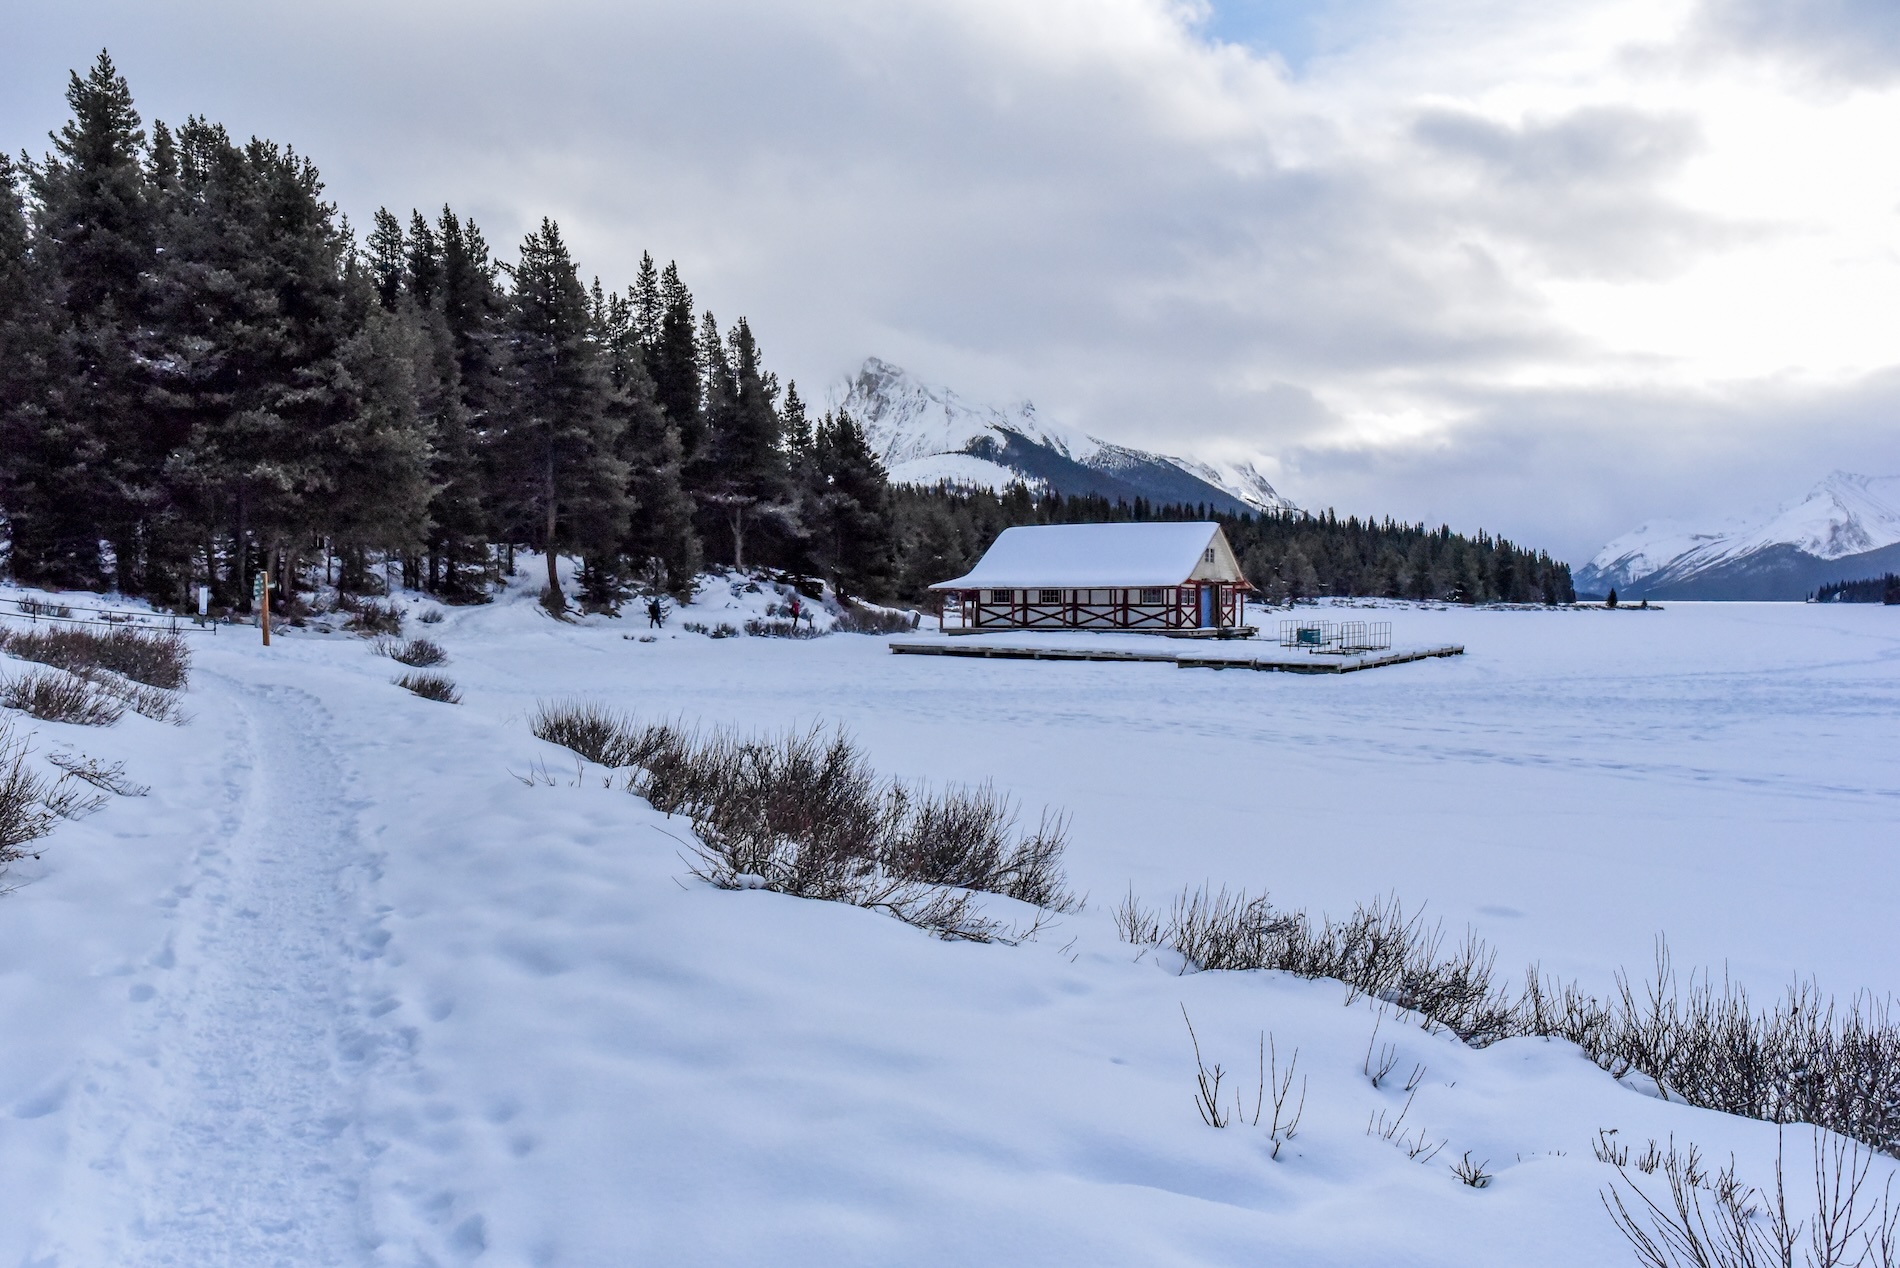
<point x="1341" y="638"/>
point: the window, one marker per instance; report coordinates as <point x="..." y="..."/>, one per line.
<point x="1152" y="594"/>
<point x="1002" y="596"/>
<point x="1207" y="556"/>
<point x="1048" y="596"/>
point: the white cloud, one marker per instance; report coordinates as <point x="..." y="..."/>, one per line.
<point x="1529" y="266"/>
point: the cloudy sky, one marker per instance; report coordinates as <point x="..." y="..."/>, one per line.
<point x="1548" y="269"/>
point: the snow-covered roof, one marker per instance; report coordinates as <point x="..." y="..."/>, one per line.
<point x="1083" y="555"/>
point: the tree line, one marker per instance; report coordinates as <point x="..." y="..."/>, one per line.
<point x="1287" y="556"/>
<point x="1882" y="589"/>
<point x="204" y="374"/>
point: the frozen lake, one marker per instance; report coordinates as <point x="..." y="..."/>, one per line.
<point x="1575" y="784"/>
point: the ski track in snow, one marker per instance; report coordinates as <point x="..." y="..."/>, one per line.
<point x="229" y="1130"/>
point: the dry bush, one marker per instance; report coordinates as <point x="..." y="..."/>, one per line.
<point x="372" y="619"/>
<point x="152" y="658"/>
<point x="1805" y="1058"/>
<point x="774" y="627"/>
<point x="432" y="616"/>
<point x="597" y="733"/>
<point x="804" y="813"/>
<point x="1377" y="951"/>
<point x="431" y="687"/>
<point x="1713" y="1220"/>
<point x="53" y="695"/>
<point x="30" y="805"/>
<point x="875" y="621"/>
<point x="417" y="652"/>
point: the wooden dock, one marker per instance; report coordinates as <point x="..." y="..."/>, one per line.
<point x="1271" y="659"/>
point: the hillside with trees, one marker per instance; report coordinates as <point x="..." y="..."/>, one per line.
<point x="204" y="373"/>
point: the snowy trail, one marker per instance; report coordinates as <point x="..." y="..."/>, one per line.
<point x="228" y="1131"/>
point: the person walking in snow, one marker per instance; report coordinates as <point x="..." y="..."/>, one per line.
<point x="796" y="608"/>
<point x="656" y="613"/>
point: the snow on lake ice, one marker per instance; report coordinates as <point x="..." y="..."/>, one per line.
<point x="345" y="989"/>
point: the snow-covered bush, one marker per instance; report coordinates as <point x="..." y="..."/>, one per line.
<point x="1806" y="1059"/>
<point x="1713" y="1220"/>
<point x="153" y="658"/>
<point x="30" y="804"/>
<point x="781" y="627"/>
<point x="804" y="813"/>
<point x="1377" y="951"/>
<point x="53" y="695"/>
<point x="431" y="687"/>
<point x="862" y="620"/>
<point x="372" y="619"/>
<point x="419" y="653"/>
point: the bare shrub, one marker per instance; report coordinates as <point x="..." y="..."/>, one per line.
<point x="372" y="619"/>
<point x="1715" y="1221"/>
<point x="1803" y="1058"/>
<point x="1472" y="1174"/>
<point x="153" y="658"/>
<point x="431" y="687"/>
<point x="53" y="695"/>
<point x="1418" y="1146"/>
<point x="1270" y="1088"/>
<point x="111" y="778"/>
<point x="597" y="733"/>
<point x="864" y="620"/>
<point x="432" y="616"/>
<point x="804" y="813"/>
<point x="417" y="652"/>
<point x="776" y="627"/>
<point x="1378" y="951"/>
<point x="31" y="805"/>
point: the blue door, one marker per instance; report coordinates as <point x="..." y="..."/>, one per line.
<point x="1207" y="607"/>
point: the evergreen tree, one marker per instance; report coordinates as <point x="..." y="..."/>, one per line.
<point x="742" y="479"/>
<point x="796" y="428"/>
<point x="96" y="473"/>
<point x="559" y="475"/>
<point x="256" y="315"/>
<point x="673" y="364"/>
<point x="384" y="249"/>
<point x="649" y="309"/>
<point x="422" y="262"/>
<point x="377" y="457"/>
<point x="853" y="525"/>
<point x="661" y="544"/>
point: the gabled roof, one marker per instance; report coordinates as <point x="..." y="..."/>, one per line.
<point x="1086" y="555"/>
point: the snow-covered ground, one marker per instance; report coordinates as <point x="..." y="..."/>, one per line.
<point x="367" y="979"/>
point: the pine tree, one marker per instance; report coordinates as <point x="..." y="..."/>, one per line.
<point x="660" y="544"/>
<point x="558" y="470"/>
<point x="256" y="314"/>
<point x="33" y="471"/>
<point x="384" y="252"/>
<point x="649" y="308"/>
<point x="673" y="364"/>
<point x="742" y="479"/>
<point x="422" y="262"/>
<point x="376" y="464"/>
<point x="853" y="517"/>
<point x="796" y="428"/>
<point x="96" y="223"/>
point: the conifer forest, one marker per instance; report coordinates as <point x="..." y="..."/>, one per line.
<point x="206" y="371"/>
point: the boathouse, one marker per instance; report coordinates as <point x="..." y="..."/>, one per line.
<point x="1156" y="577"/>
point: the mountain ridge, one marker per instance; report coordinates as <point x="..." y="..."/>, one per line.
<point x="1846" y="528"/>
<point x="926" y="434"/>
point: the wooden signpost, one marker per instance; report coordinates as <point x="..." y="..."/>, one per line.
<point x="260" y="591"/>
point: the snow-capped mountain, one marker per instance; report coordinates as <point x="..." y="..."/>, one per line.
<point x="1846" y="528"/>
<point x="926" y="434"/>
